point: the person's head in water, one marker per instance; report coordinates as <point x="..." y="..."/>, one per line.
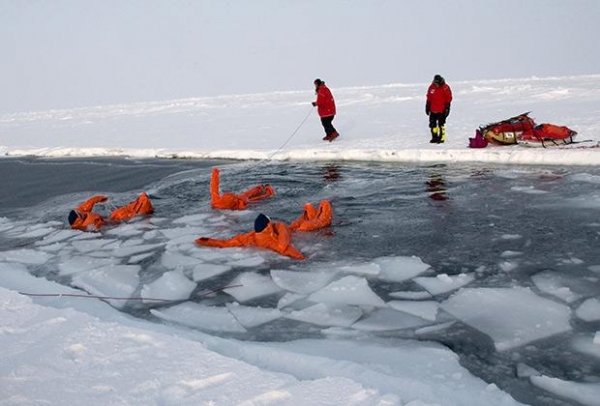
<point x="261" y="222"/>
<point x="73" y="216"/>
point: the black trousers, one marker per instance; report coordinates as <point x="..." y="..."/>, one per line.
<point x="437" y="119"/>
<point x="326" y="121"/>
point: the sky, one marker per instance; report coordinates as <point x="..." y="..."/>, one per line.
<point x="67" y="53"/>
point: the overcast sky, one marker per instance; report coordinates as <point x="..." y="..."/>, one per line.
<point x="72" y="53"/>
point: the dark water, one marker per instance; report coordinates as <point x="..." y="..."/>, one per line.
<point x="455" y="218"/>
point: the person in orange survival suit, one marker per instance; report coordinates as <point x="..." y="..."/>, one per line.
<point x="82" y="218"/>
<point x="231" y="201"/>
<point x="313" y="219"/>
<point x="275" y="236"/>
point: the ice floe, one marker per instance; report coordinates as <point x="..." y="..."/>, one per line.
<point x="511" y="317"/>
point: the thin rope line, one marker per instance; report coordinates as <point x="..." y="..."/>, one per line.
<point x="292" y="135"/>
<point x="121" y="298"/>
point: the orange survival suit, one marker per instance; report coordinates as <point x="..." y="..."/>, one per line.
<point x="313" y="219"/>
<point x="83" y="219"/>
<point x="277" y="236"/>
<point x="266" y="234"/>
<point x="231" y="201"/>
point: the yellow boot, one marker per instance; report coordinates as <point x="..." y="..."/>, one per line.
<point x="434" y="135"/>
<point x="442" y="134"/>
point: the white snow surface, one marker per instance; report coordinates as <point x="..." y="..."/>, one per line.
<point x="376" y="123"/>
<point x="64" y="350"/>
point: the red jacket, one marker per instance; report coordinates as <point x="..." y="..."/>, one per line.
<point x="325" y="102"/>
<point x="439" y="97"/>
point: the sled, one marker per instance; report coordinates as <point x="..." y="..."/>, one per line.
<point x="507" y="132"/>
<point x="548" y="135"/>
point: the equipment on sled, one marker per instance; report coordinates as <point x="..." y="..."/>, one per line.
<point x="478" y="141"/>
<point x="507" y="132"/>
<point x="548" y="133"/>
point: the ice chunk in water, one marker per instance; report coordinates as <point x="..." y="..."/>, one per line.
<point x="114" y="281"/>
<point x="246" y="261"/>
<point x="288" y="299"/>
<point x="510" y="316"/>
<point x="37" y="232"/>
<point x="555" y="284"/>
<point x="426" y="309"/>
<point x="206" y="271"/>
<point x="388" y="319"/>
<point x="525" y="371"/>
<point x="91" y="245"/>
<point x="443" y="283"/>
<point x="327" y="315"/>
<point x="584" y="393"/>
<point x="174" y="260"/>
<point x="126" y="251"/>
<point x="83" y="264"/>
<point x="399" y="269"/>
<point x="171" y="285"/>
<point x="202" y="317"/>
<point x="25" y="256"/>
<point x="253" y="316"/>
<point x="411" y="295"/>
<point x="366" y="269"/>
<point x="252" y="286"/>
<point x="194" y="219"/>
<point x="351" y="290"/>
<point x="588" y="344"/>
<point x="301" y="282"/>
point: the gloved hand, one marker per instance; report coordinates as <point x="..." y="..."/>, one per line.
<point x="447" y="112"/>
<point x="427" y="108"/>
<point x="314" y="103"/>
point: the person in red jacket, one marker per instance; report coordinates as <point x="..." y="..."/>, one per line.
<point x="437" y="107"/>
<point x="326" y="108"/>
<point x="82" y="218"/>
<point x="231" y="201"/>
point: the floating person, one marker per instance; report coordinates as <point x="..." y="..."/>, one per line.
<point x="82" y="218"/>
<point x="232" y="201"/>
<point x="326" y="108"/>
<point x="276" y="236"/>
<point x="313" y="219"/>
<point x="437" y="107"/>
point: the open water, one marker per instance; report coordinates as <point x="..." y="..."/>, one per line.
<point x="456" y="218"/>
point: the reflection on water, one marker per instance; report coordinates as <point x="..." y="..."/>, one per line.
<point x="436" y="187"/>
<point x="331" y="173"/>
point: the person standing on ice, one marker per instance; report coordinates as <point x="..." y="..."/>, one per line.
<point x="326" y="108"/>
<point x="437" y="107"/>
